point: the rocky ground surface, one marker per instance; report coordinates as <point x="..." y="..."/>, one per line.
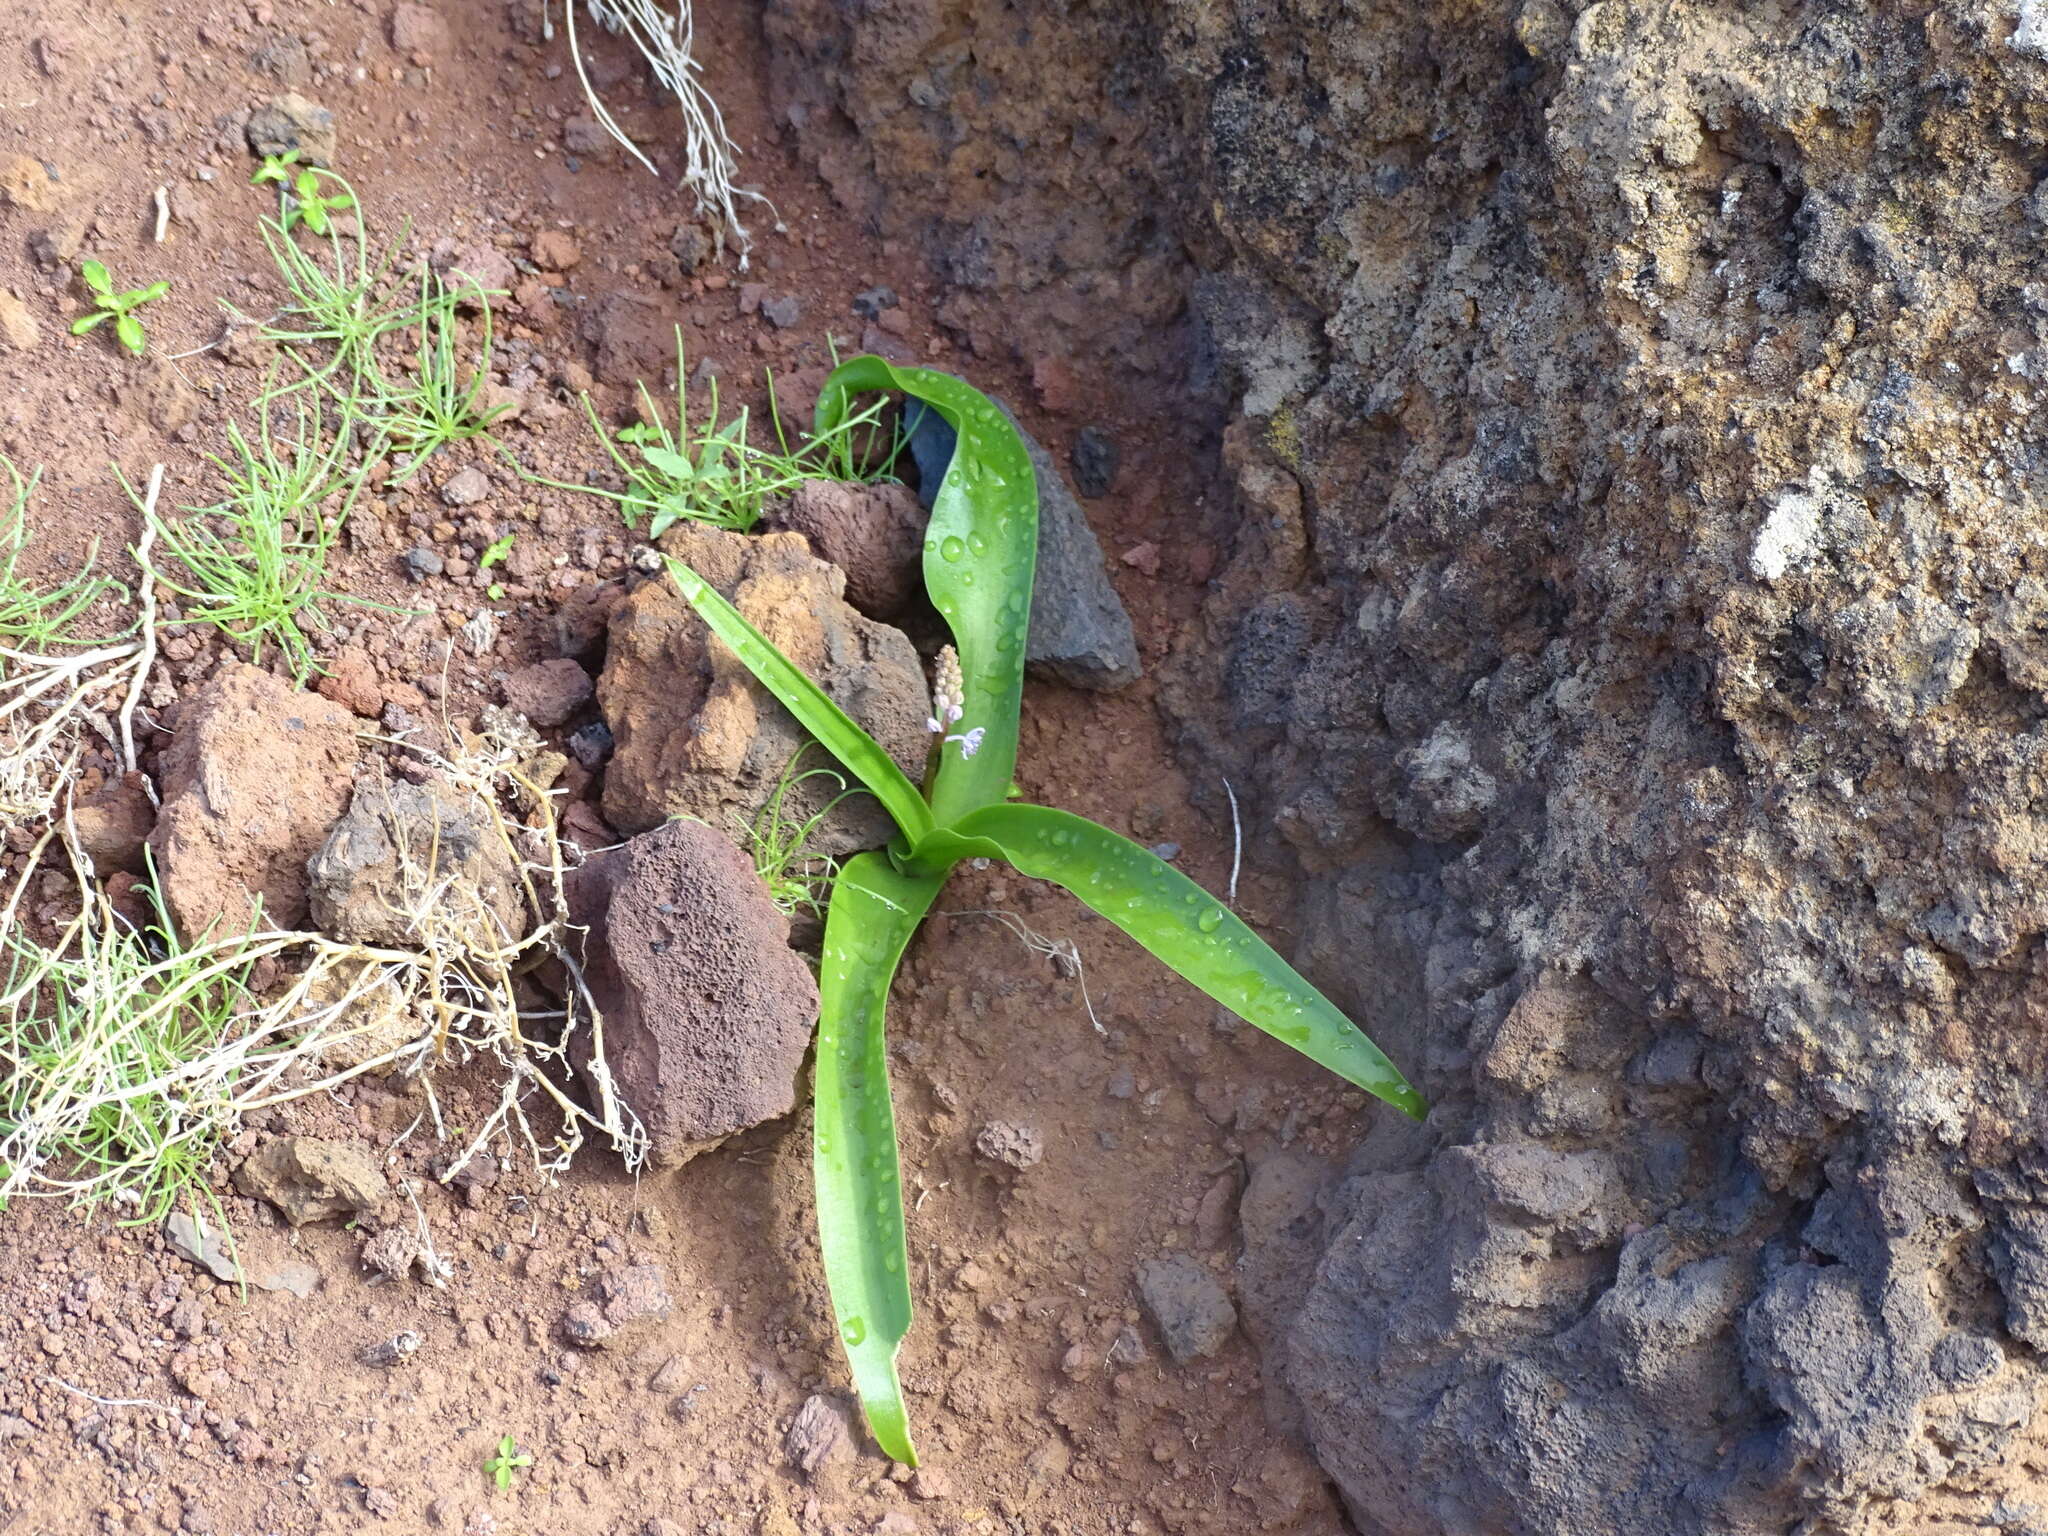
<point x="659" y="1347"/>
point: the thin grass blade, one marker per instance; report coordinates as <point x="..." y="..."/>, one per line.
<point x="874" y="912"/>
<point x="1193" y="932"/>
<point x="811" y="705"/>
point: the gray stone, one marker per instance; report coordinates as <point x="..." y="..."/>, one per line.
<point x="408" y="858"/>
<point x="466" y="487"/>
<point x="1187" y="1302"/>
<point x="291" y="122"/>
<point x="1080" y="633"/>
<point x="1096" y="460"/>
<point x="421" y="562"/>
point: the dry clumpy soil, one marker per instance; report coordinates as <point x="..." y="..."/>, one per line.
<point x="662" y="1348"/>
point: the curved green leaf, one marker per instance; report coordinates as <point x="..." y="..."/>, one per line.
<point x="860" y="1185"/>
<point x="980" y="555"/>
<point x="812" y="706"/>
<point x="1189" y="929"/>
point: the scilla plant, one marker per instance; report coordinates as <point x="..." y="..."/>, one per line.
<point x="980" y="554"/>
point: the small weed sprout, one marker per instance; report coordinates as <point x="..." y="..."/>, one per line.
<point x="33" y="617"/>
<point x="307" y="204"/>
<point x="117" y="307"/>
<point x="779" y="838"/>
<point x="711" y="471"/>
<point x="276" y="169"/>
<point x="506" y="1463"/>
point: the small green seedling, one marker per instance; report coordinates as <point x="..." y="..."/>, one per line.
<point x="507" y="1463"/>
<point x="117" y="307"/>
<point x="980" y="555"/>
<point x="276" y="168"/>
<point x="496" y="553"/>
<point x="306" y="204"/>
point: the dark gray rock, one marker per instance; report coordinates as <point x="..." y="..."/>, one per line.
<point x="782" y="311"/>
<point x="1096" y="460"/>
<point x="1080" y="633"/>
<point x="1193" y="1312"/>
<point x="291" y="122"/>
<point x="421" y="562"/>
<point x="870" y="302"/>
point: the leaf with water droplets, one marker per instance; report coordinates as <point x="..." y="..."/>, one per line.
<point x="981" y="554"/>
<point x="874" y="912"/>
<point x="1187" y="928"/>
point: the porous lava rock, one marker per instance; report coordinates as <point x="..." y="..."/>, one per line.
<point x="874" y="533"/>
<point x="707" y="1010"/>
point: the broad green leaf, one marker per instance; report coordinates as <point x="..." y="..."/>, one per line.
<point x="860" y="1184"/>
<point x="1193" y="932"/>
<point x="150" y="294"/>
<point x="91" y="322"/>
<point x="811" y="705"/>
<point x="96" y="276"/>
<point x="980" y="554"/>
<point x="669" y="462"/>
<point x="129" y="330"/>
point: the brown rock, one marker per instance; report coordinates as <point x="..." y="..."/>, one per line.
<point x="556" y="250"/>
<point x="291" y="122"/>
<point x="352" y="682"/>
<point x="26" y="183"/>
<point x="18" y="327"/>
<point x="113" y="825"/>
<point x="253" y="779"/>
<point x="696" y="735"/>
<point x="874" y="533"/>
<point x="407" y="855"/>
<point x="418" y="32"/>
<point x="707" y="1011"/>
<point x="820" y="1432"/>
<point x="1014" y="1146"/>
<point x="310" y="1180"/>
<point x="484" y="265"/>
<point x="634" y="339"/>
<point x="630" y="1301"/>
<point x="549" y="692"/>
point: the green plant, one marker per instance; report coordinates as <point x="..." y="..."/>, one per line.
<point x="276" y="168"/>
<point x="33" y="616"/>
<point x="711" y="472"/>
<point x="342" y="304"/>
<point x="440" y="403"/>
<point x="779" y="839"/>
<point x="979" y="560"/>
<point x="117" y="307"/>
<point x="306" y="204"/>
<point x="497" y="551"/>
<point x="507" y="1463"/>
<point x="253" y="564"/>
<point x="98" y="1034"/>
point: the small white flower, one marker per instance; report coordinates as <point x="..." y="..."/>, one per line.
<point x="970" y="741"/>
